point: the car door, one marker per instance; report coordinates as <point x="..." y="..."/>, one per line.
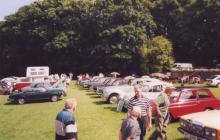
<point x="39" y="93"/>
<point x="205" y="100"/>
<point x="27" y="95"/>
<point x="187" y="103"/>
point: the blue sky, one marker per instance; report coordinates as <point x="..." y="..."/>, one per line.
<point x="8" y="7"/>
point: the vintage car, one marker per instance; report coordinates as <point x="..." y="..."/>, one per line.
<point x="201" y="125"/>
<point x="47" y="85"/>
<point x="21" y="97"/>
<point x="183" y="101"/>
<point x="101" y="83"/>
<point x="150" y="90"/>
<point x="214" y="81"/>
<point x="113" y="93"/>
<point x="116" y="82"/>
<point x="190" y="100"/>
<point x="88" y="83"/>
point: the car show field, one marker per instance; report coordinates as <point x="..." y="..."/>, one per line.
<point x="95" y="118"/>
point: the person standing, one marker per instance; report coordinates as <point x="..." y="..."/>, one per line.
<point x="130" y="129"/>
<point x="65" y="123"/>
<point x="161" y="118"/>
<point x="144" y="103"/>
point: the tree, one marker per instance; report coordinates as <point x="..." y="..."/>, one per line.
<point x="199" y="33"/>
<point x="157" y="55"/>
<point x="78" y="36"/>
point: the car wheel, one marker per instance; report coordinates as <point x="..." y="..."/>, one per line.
<point x="207" y="109"/>
<point x="218" y="85"/>
<point x="21" y="101"/>
<point x="113" y="99"/>
<point x="54" y="98"/>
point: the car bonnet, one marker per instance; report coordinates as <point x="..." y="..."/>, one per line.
<point x="208" y="118"/>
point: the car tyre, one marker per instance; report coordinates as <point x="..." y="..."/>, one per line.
<point x="218" y="85"/>
<point x="21" y="101"/>
<point x="113" y="99"/>
<point x="207" y="109"/>
<point x="54" y="98"/>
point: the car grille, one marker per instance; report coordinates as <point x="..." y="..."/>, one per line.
<point x="194" y="128"/>
<point x="197" y="129"/>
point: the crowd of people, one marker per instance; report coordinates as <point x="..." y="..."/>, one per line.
<point x="134" y="127"/>
<point x="139" y="118"/>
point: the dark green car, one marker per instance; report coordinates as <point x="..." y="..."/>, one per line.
<point x="53" y="94"/>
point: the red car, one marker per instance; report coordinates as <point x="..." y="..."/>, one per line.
<point x="190" y="100"/>
<point x="20" y="85"/>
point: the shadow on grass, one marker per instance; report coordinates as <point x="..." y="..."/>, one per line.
<point x="95" y="97"/>
<point x="82" y="88"/>
<point x="99" y="102"/>
<point x="114" y="109"/>
<point x="91" y="94"/>
<point x="32" y="102"/>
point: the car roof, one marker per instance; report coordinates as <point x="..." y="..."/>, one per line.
<point x="192" y="88"/>
<point x="153" y="83"/>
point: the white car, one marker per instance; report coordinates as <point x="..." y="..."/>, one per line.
<point x="113" y="93"/>
<point x="214" y="81"/>
<point x="150" y="90"/>
<point x="201" y="125"/>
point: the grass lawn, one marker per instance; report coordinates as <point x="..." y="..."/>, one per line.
<point x="95" y="119"/>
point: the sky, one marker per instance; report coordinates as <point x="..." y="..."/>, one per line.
<point x="8" y="7"/>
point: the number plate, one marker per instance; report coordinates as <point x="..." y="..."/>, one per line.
<point x="189" y="136"/>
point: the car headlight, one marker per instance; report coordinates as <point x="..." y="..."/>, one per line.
<point x="183" y="123"/>
<point x="211" y="133"/>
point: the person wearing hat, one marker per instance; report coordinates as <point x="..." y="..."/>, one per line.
<point x="162" y="116"/>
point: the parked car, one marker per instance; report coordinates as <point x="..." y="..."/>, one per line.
<point x="190" y="100"/>
<point x="88" y="83"/>
<point x="214" y="81"/>
<point x="21" y="97"/>
<point x="116" y="82"/>
<point x="150" y="90"/>
<point x="201" y="125"/>
<point x="47" y="85"/>
<point x="113" y="93"/>
<point x="101" y="83"/>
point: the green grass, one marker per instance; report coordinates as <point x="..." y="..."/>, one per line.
<point x="95" y="119"/>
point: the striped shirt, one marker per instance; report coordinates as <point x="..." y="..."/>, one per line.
<point x="65" y="126"/>
<point x="142" y="102"/>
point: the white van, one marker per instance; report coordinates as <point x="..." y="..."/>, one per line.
<point x="183" y="66"/>
<point x="37" y="74"/>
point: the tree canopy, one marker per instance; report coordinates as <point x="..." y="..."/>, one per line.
<point x="115" y="35"/>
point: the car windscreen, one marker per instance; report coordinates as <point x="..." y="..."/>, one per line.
<point x="111" y="81"/>
<point x="212" y="77"/>
<point x="174" y="95"/>
<point x="116" y="82"/>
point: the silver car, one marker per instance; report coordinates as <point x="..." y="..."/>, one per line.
<point x="113" y="93"/>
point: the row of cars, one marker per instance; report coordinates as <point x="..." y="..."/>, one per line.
<point x="32" y="91"/>
<point x="184" y="102"/>
<point x="38" y="91"/>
